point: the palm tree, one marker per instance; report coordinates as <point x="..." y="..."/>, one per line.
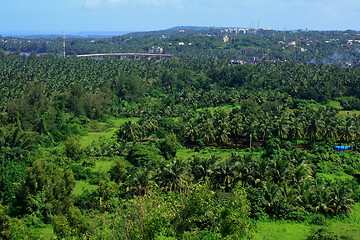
<point x="138" y="181"/>
<point x="222" y="134"/>
<point x="251" y="130"/>
<point x="174" y="175"/>
<point x="280" y="168"/>
<point x="271" y="195"/>
<point x="265" y="127"/>
<point x="13" y="136"/>
<point x="321" y="197"/>
<point x="207" y="132"/>
<point x="221" y="175"/>
<point x="314" y="128"/>
<point x="236" y="129"/>
<point x="296" y="129"/>
<point x="280" y="127"/>
<point x="342" y="199"/>
<point x="290" y="195"/>
<point x="348" y="131"/>
<point x="130" y="131"/>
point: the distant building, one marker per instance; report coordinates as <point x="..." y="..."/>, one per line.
<point x="292" y="43"/>
<point x="236" y="62"/>
<point x="351" y="42"/>
<point x="181" y="31"/>
<point x="156" y="50"/>
<point x="181" y="43"/>
<point x="238" y="30"/>
<point x="226" y="39"/>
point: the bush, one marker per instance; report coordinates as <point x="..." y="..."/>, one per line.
<point x="325" y="234"/>
<point x="318" y="219"/>
<point x="80" y="172"/>
<point x="73" y="149"/>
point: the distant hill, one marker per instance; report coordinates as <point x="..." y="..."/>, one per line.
<point x="192" y="28"/>
<point x="102" y="34"/>
<point x="84" y="34"/>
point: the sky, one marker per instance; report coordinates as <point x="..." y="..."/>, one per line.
<point x="56" y="16"/>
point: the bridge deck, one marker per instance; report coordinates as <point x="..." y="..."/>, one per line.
<point x="125" y="55"/>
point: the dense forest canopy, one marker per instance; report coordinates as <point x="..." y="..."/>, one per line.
<point x="192" y="147"/>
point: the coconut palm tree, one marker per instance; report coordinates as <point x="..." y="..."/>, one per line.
<point x="348" y="130"/>
<point x="130" y="131"/>
<point x="173" y="175"/>
<point x="342" y="199"/>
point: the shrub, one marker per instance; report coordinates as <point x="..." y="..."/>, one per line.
<point x="318" y="219"/>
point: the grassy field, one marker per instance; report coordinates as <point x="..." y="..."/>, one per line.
<point x="46" y="232"/>
<point x="104" y="165"/>
<point x="282" y="231"/>
<point x="348" y="226"/>
<point x="108" y="132"/>
<point x="81" y="186"/>
<point x="349" y="113"/>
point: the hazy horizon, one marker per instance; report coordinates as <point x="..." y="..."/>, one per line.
<point x="73" y="16"/>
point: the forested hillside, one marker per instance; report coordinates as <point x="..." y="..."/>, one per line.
<point x="185" y="148"/>
<point x="316" y="47"/>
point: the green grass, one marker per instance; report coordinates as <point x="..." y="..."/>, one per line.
<point x="348" y="226"/>
<point x="94" y="136"/>
<point x="46" y="232"/>
<point x="81" y="186"/>
<point x="281" y="231"/>
<point x="335" y="104"/>
<point x="117" y="122"/>
<point x="100" y="166"/>
<point x="349" y="113"/>
<point x="104" y="165"/>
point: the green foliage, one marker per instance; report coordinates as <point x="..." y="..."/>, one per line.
<point x="323" y="234"/>
<point x="46" y="190"/>
<point x="5" y="224"/>
<point x="318" y="219"/>
<point x="205" y="210"/>
<point x="12" y="228"/>
<point x="105" y="148"/>
<point x="81" y="172"/>
<point x="130" y="131"/>
<point x="11" y="174"/>
<point x="350" y="103"/>
<point x="168" y="146"/>
<point x="73" y="149"/>
<point x="72" y="225"/>
<point x="142" y="155"/>
<point x="283" y="113"/>
<point x="119" y="171"/>
<point x="130" y="88"/>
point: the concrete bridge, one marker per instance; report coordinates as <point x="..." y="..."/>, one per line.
<point x="128" y="55"/>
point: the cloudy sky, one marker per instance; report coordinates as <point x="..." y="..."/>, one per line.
<point x="53" y="16"/>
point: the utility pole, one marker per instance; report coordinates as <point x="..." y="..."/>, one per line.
<point x="64" y="45"/>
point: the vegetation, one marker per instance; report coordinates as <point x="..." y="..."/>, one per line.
<point x="178" y="149"/>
